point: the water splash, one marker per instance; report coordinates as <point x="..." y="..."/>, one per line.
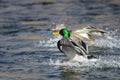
<point x="94" y="63"/>
<point x="52" y="42"/>
<point x="111" y="40"/>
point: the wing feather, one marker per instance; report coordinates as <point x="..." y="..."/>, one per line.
<point x="87" y="34"/>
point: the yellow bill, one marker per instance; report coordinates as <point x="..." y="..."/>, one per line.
<point x="56" y="33"/>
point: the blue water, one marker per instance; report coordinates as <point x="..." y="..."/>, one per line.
<point x="27" y="45"/>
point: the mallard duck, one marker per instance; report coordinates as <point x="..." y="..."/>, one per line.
<point x="72" y="44"/>
<point x="70" y="48"/>
<point x="81" y="35"/>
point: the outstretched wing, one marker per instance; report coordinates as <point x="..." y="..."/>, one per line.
<point x="86" y="34"/>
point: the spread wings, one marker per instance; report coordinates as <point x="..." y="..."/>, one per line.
<point x="87" y="33"/>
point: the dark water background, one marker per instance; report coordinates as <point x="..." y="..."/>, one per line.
<point x="26" y="42"/>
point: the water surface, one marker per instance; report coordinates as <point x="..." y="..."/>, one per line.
<point x="27" y="45"/>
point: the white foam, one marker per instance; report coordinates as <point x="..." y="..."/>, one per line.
<point x="102" y="62"/>
<point x="110" y="40"/>
<point x="75" y="63"/>
<point x="105" y="63"/>
<point x="52" y="42"/>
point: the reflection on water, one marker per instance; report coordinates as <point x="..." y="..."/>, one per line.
<point x="27" y="45"/>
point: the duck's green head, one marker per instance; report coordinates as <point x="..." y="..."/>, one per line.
<point x="65" y="33"/>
